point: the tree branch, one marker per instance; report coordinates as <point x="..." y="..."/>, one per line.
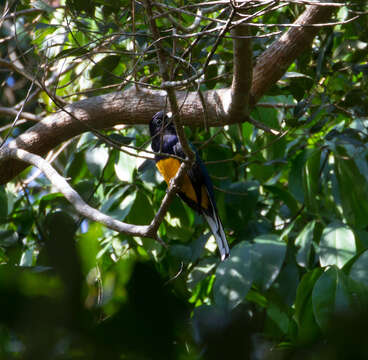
<point x="73" y="197"/>
<point x="164" y="70"/>
<point x="242" y="72"/>
<point x="137" y="106"/>
<point x="22" y="115"/>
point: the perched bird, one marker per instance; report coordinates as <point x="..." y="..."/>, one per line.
<point x="196" y="189"/>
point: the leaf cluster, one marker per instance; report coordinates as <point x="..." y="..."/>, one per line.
<point x="294" y="206"/>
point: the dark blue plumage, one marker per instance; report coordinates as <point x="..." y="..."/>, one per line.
<point x="196" y="189"/>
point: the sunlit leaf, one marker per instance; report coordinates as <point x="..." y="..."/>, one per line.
<point x="337" y="245"/>
<point x="200" y="272"/>
<point x="125" y="166"/>
<point x="96" y="159"/>
<point x="267" y="256"/>
<point x="304" y="242"/>
<point x="105" y="66"/>
<point x="234" y="277"/>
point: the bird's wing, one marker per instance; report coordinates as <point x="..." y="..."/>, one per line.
<point x="206" y="204"/>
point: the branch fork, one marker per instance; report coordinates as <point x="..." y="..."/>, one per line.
<point x="136" y="106"/>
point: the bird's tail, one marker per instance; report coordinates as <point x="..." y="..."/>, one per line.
<point x="215" y="224"/>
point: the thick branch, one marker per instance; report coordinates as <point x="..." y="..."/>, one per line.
<point x="102" y="112"/>
<point x="137" y="106"/>
<point x="242" y="72"/>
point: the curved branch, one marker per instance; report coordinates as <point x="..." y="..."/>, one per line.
<point x="102" y="112"/>
<point x="73" y="197"/>
<point x="242" y="71"/>
<point x="137" y="106"/>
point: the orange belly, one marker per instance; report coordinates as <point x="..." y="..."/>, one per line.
<point x="168" y="169"/>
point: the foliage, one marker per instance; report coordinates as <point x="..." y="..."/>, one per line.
<point x="294" y="206"/>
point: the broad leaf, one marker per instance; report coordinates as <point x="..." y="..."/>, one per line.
<point x="337" y="245"/>
<point x="267" y="256"/>
<point x="304" y="242"/>
<point x="125" y="166"/>
<point x="234" y="277"/>
<point x="304" y="317"/>
<point x="359" y="270"/>
<point x="96" y="159"/>
<point x="331" y="296"/>
<point x="353" y="189"/>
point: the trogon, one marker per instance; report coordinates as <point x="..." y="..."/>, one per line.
<point x="196" y="189"/>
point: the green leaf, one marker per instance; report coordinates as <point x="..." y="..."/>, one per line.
<point x="39" y="4"/>
<point x="113" y="200"/>
<point x="337" y="245"/>
<point x="211" y="72"/>
<point x="123" y="208"/>
<point x="125" y="166"/>
<point x="8" y="238"/>
<point x="96" y="160"/>
<point x="234" y="277"/>
<point x="296" y="185"/>
<point x="304" y="242"/>
<point x="120" y="139"/>
<point x="331" y="296"/>
<point x="105" y="66"/>
<point x="349" y="178"/>
<point x="49" y="200"/>
<point x="81" y="5"/>
<point x="359" y="270"/>
<point x="241" y="201"/>
<point x="304" y="316"/>
<point x="285" y="196"/>
<point x="76" y="167"/>
<point x="141" y="212"/>
<point x="279" y="318"/>
<point x="215" y="153"/>
<point x="312" y="180"/>
<point x="267" y="256"/>
<point x="74" y="51"/>
<point x="3" y="204"/>
<point x="181" y="252"/>
<point x="27" y="257"/>
<point x="198" y="245"/>
<point x="287" y="283"/>
<point x="200" y="272"/>
<point x="89" y="247"/>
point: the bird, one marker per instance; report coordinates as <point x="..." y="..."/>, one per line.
<point x="196" y="189"/>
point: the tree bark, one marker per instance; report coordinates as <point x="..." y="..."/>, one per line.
<point x="137" y="106"/>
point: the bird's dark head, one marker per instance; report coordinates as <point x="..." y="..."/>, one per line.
<point x="161" y="121"/>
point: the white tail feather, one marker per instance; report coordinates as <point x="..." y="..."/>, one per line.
<point x="214" y="223"/>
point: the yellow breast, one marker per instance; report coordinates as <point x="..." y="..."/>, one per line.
<point x="168" y="168"/>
